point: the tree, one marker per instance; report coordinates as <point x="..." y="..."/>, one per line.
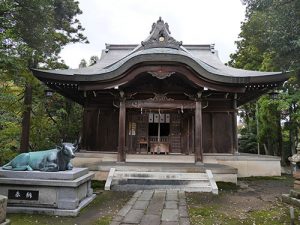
<point x="270" y="41"/>
<point x="33" y="34"/>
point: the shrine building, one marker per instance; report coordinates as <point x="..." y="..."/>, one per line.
<point x="161" y="97"/>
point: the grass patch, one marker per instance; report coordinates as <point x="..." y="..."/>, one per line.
<point x="98" y="184"/>
<point x="210" y="215"/>
<point x="25" y="219"/>
<point x="105" y="220"/>
<point x="277" y="215"/>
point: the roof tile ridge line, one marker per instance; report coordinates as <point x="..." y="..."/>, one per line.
<point x="198" y="46"/>
<point x="129" y="54"/>
<point x="120" y="46"/>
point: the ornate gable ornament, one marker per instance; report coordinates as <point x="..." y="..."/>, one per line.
<point x="160" y="37"/>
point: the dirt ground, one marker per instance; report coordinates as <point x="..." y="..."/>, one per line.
<point x="254" y="201"/>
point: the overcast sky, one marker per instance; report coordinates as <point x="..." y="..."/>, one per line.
<point x="130" y="21"/>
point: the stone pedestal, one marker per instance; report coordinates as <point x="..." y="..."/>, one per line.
<point x="3" y="204"/>
<point x="61" y="193"/>
<point x="294" y="196"/>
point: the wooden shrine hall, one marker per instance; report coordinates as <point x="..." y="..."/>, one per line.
<point x="160" y="97"/>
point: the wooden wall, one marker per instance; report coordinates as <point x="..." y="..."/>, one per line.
<point x="100" y="131"/>
<point x="217" y="132"/>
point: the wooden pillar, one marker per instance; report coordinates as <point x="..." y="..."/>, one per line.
<point x="188" y="137"/>
<point x="213" y="149"/>
<point x="234" y="126"/>
<point x="122" y="131"/>
<point x="198" y="132"/>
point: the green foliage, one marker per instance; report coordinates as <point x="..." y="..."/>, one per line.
<point x="248" y="139"/>
<point x="32" y="34"/>
<point x="105" y="220"/>
<point x="270" y="41"/>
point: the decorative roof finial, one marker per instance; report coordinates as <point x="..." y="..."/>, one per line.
<point x="160" y="37"/>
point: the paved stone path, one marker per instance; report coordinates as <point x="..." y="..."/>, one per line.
<point x="154" y="207"/>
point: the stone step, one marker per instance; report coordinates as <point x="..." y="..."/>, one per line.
<point x="136" y="180"/>
<point x="189" y="183"/>
<point x="132" y="187"/>
<point x="159" y="175"/>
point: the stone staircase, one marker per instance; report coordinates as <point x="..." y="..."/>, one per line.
<point x="149" y="180"/>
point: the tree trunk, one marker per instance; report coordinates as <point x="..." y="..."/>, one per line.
<point x="24" y="144"/>
<point x="266" y="149"/>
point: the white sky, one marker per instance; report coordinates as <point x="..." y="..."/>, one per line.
<point x="130" y="21"/>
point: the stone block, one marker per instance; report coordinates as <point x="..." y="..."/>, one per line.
<point x="150" y="220"/>
<point x="3" y="204"/>
<point x="60" y="175"/>
<point x="170" y="215"/>
<point x="171" y="205"/>
<point x="141" y="205"/>
<point x="134" y="216"/>
<point x="296" y="186"/>
<point x="146" y="195"/>
<point x="288" y="199"/>
<point x="295" y="193"/>
<point x="64" y="196"/>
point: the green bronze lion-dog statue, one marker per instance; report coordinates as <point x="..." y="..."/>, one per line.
<point x="52" y="160"/>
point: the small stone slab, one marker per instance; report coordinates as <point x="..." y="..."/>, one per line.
<point x="133" y="216"/>
<point x="170" y="215"/>
<point x="146" y="196"/>
<point x="150" y="220"/>
<point x="124" y="210"/>
<point x="141" y="205"/>
<point x="184" y="221"/>
<point x="118" y="218"/>
<point x="169" y="223"/>
<point x="171" y="196"/>
<point x="290" y="200"/>
<point x="171" y="205"/>
<point x="183" y="211"/>
<point x="155" y="207"/>
<point x="295" y="193"/>
<point x="137" y="194"/>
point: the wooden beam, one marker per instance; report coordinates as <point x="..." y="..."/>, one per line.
<point x="122" y="131"/>
<point x="176" y="104"/>
<point x="198" y="132"/>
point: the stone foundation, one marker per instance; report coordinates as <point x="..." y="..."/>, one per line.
<point x="61" y="193"/>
